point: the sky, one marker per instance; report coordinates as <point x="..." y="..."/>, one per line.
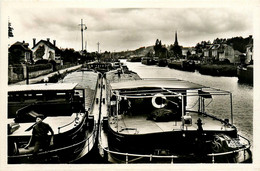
<point x="121" y="29"/>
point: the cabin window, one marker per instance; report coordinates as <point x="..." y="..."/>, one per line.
<point x="39" y="96"/>
<point x="11" y="98"/>
<point x="78" y="93"/>
<point x="29" y="96"/>
<point x="61" y="95"/>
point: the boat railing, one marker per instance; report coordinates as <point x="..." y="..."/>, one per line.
<point x="212" y="116"/>
<point x="247" y="146"/>
<point x="172" y="157"/>
<point x="90" y="141"/>
<point x="74" y="121"/>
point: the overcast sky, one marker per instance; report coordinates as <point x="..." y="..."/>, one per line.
<point x="119" y="29"/>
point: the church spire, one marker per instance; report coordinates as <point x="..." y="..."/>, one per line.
<point x="176" y="39"/>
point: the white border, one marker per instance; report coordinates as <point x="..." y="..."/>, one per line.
<point x="5" y="5"/>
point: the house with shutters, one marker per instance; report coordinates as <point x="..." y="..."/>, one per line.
<point x="215" y="52"/>
<point x="20" y="52"/>
<point x="44" y="49"/>
<point x="207" y="53"/>
<point x="221" y="52"/>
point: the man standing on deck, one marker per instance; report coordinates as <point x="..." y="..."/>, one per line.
<point x="40" y="135"/>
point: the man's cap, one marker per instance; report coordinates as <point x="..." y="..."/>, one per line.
<point x="40" y="116"/>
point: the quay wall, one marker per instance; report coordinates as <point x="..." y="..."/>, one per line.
<point x="218" y="70"/>
<point x="52" y="76"/>
<point x="206" y="69"/>
<point x="19" y="73"/>
<point x="38" y="73"/>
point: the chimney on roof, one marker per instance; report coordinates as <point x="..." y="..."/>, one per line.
<point x="48" y="39"/>
<point x="34" y="42"/>
<point x="54" y="42"/>
<point x="23" y="42"/>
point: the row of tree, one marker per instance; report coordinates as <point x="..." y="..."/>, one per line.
<point x="162" y="52"/>
<point x="238" y="43"/>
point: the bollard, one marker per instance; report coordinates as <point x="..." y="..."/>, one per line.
<point x="126" y="160"/>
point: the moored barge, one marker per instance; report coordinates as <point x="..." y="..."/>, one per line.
<point x="169" y="120"/>
<point x="66" y="107"/>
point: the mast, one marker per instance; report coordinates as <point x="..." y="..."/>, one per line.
<point x="98" y="46"/>
<point x="82" y="27"/>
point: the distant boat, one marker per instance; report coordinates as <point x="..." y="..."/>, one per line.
<point x="162" y="62"/>
<point x="182" y="65"/>
<point x="148" y="61"/>
<point x="167" y="120"/>
<point x="65" y="109"/>
<point x="246" y="74"/>
<point x="134" y="59"/>
<point x="99" y="66"/>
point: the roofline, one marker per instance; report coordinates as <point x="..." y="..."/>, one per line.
<point x="52" y="45"/>
<point x="156" y="83"/>
<point x="42" y="87"/>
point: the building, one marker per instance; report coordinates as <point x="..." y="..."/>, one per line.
<point x="249" y="54"/>
<point x="237" y="56"/>
<point x="207" y="53"/>
<point x="226" y="52"/>
<point x="185" y="51"/>
<point x="193" y="51"/>
<point x="20" y="52"/>
<point x="249" y="51"/>
<point x="215" y="51"/>
<point x="177" y="50"/>
<point x="44" y="49"/>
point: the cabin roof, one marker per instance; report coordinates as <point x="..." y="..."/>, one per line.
<point x="172" y="84"/>
<point x="42" y="87"/>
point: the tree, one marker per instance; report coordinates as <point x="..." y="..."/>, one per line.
<point x="163" y="53"/>
<point x="239" y="43"/>
<point x="157" y="47"/>
<point x="39" y="52"/>
<point x="176" y="50"/>
<point x="149" y="54"/>
<point x="10" y="30"/>
<point x="188" y="54"/>
<point x="69" y="55"/>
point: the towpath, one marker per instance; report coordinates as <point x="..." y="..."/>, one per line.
<point x="40" y="78"/>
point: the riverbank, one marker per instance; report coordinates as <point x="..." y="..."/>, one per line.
<point x="217" y="70"/>
<point x="182" y="65"/>
<point x="52" y="77"/>
<point x="206" y="69"/>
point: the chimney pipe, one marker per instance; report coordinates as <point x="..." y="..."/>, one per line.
<point x="34" y="42"/>
<point x="54" y="42"/>
<point x="48" y="39"/>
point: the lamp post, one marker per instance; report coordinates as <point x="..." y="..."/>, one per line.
<point x="27" y="73"/>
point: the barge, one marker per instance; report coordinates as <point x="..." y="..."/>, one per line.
<point x="66" y="107"/>
<point x="168" y="121"/>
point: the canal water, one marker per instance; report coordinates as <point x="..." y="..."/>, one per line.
<point x="242" y="94"/>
